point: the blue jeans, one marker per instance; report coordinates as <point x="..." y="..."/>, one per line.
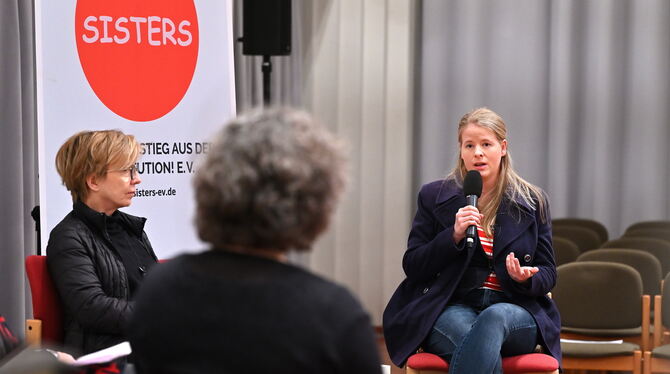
<point x="474" y="333"/>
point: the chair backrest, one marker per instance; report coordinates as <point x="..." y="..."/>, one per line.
<point x="663" y="225"/>
<point x="646" y="264"/>
<point x="648" y="233"/>
<point x="565" y="251"/>
<point x="46" y="303"/>
<point x="586" y="239"/>
<point x="594" y="225"/>
<point x="657" y="247"/>
<point x="598" y="295"/>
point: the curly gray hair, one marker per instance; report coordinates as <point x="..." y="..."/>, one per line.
<point x="270" y="181"/>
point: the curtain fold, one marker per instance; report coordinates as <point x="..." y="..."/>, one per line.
<point x="18" y="184"/>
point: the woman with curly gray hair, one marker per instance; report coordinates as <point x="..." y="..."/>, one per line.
<point x="269" y="184"/>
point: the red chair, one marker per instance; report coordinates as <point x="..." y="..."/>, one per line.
<point x="47" y="323"/>
<point x="532" y="363"/>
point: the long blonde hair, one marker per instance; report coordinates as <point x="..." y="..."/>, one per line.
<point x="509" y="184"/>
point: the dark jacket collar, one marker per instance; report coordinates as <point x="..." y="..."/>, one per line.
<point x="98" y="220"/>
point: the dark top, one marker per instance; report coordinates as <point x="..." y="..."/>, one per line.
<point x="91" y="279"/>
<point x="436" y="268"/>
<point x="136" y="262"/>
<point x="220" y="312"/>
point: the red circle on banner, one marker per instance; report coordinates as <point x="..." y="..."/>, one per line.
<point x="138" y="56"/>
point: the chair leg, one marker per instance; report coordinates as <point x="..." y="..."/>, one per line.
<point x="646" y="363"/>
<point x="637" y="362"/>
<point x="34" y="332"/>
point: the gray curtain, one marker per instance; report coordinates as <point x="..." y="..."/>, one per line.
<point x="583" y="86"/>
<point x="18" y="165"/>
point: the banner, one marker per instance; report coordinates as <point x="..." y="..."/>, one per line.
<point x="161" y="70"/>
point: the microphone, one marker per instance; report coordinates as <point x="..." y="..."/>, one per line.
<point x="472" y="189"/>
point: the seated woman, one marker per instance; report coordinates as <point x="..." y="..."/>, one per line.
<point x="474" y="304"/>
<point x="268" y="185"/>
<point x="97" y="255"/>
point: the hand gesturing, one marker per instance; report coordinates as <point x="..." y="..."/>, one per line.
<point x="516" y="271"/>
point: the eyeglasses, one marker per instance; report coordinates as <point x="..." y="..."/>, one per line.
<point x="132" y="171"/>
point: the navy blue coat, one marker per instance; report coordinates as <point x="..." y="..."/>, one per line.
<point x="434" y="266"/>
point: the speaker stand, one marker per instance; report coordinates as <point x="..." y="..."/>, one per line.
<point x="266" y="68"/>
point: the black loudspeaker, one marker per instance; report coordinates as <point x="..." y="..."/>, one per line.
<point x="266" y="27"/>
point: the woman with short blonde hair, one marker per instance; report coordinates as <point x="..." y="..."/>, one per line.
<point x="91" y="153"/>
<point x="98" y="255"/>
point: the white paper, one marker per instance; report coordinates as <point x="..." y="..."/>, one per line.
<point x="104" y="355"/>
<point x="592" y="341"/>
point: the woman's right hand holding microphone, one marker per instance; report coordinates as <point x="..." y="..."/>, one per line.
<point x="465" y="217"/>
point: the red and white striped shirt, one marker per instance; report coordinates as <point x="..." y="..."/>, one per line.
<point x="491" y="282"/>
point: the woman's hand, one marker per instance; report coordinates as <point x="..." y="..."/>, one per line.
<point x="465" y="217"/>
<point x="65" y="358"/>
<point x="517" y="272"/>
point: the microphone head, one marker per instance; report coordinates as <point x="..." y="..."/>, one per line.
<point x="472" y="185"/>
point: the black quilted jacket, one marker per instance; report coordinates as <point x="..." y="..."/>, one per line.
<point x="90" y="278"/>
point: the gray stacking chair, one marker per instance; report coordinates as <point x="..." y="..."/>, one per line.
<point x="657" y="247"/>
<point x="648" y="233"/>
<point x="594" y="225"/>
<point x="602" y="301"/>
<point x="586" y="239"/>
<point x="646" y="264"/>
<point x="565" y="251"/>
<point x="662" y="225"/>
